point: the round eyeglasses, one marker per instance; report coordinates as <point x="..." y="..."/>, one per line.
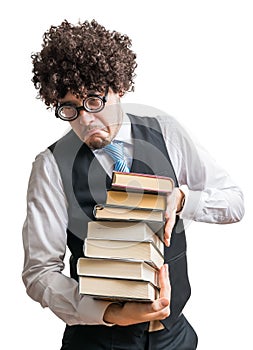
<point x="92" y="104"/>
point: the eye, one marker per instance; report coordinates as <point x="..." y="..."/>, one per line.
<point x="93" y="102"/>
<point x="67" y="111"/>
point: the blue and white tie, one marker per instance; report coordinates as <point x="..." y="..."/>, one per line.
<point x="116" y="151"/>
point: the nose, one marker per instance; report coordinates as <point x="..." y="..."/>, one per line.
<point x="86" y="118"/>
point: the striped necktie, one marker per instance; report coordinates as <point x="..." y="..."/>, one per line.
<point x="116" y="151"/>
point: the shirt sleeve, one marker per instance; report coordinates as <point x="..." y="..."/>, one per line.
<point x="210" y="194"/>
<point x="44" y="239"/>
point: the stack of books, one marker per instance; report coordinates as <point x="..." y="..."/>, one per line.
<point x="124" y="248"/>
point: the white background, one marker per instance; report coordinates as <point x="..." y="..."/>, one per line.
<point x="195" y="62"/>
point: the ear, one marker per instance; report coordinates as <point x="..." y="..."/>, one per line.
<point x="121" y="93"/>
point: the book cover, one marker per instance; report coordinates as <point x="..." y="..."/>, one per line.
<point x="117" y="289"/>
<point x="102" y="248"/>
<point x="124" y="230"/>
<point x="122" y="269"/>
<point x="141" y="182"/>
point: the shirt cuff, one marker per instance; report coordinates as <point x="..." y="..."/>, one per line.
<point x="95" y="310"/>
<point x="191" y="203"/>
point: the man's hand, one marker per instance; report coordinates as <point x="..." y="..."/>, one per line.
<point x="174" y="205"/>
<point x="137" y="312"/>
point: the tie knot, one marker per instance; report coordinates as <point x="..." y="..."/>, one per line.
<point x="116" y="151"/>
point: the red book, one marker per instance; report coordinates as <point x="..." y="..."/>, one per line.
<point x="141" y="183"/>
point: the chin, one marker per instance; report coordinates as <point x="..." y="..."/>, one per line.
<point x="97" y="143"/>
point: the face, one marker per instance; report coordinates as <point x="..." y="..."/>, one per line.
<point x="96" y="129"/>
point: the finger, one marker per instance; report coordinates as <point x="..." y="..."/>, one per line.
<point x="168" y="228"/>
<point x="172" y="200"/>
<point x="167" y="234"/>
<point x="159" y="305"/>
<point x="170" y="216"/>
<point x="169" y="225"/>
<point x="164" y="282"/>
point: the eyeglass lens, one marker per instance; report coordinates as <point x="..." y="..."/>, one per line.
<point x="93" y="103"/>
<point x="90" y="104"/>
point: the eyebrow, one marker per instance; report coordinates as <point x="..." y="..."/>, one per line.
<point x="61" y="103"/>
<point x="89" y="93"/>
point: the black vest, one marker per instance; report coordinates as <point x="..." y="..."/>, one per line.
<point x="85" y="183"/>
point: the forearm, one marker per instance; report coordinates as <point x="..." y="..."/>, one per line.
<point x="60" y="293"/>
<point x="221" y="206"/>
<point x="210" y="193"/>
<point x="45" y="240"/>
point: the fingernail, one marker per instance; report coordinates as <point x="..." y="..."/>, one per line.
<point x="164" y="302"/>
<point x="167" y="242"/>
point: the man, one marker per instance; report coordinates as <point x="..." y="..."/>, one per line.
<point x="82" y="72"/>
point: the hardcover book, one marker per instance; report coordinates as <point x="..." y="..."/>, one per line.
<point x="141" y="182"/>
<point x="136" y="199"/>
<point x="122" y="269"/>
<point x="102" y="248"/>
<point x="114" y="212"/>
<point x="124" y="230"/>
<point x="117" y="289"/>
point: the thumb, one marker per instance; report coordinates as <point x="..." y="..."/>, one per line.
<point x="160" y="304"/>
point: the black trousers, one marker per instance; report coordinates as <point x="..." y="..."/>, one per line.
<point x="180" y="337"/>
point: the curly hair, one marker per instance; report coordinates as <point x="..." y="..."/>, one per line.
<point x="83" y="56"/>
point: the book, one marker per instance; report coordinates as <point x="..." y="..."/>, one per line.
<point x="141" y="182"/>
<point x="114" y="212"/>
<point x="124" y="249"/>
<point x="124" y="230"/>
<point x="103" y="248"/>
<point x="117" y="289"/>
<point x="136" y="199"/>
<point x="112" y="268"/>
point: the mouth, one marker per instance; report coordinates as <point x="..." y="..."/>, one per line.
<point x="94" y="133"/>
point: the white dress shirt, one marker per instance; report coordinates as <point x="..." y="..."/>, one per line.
<point x="211" y="196"/>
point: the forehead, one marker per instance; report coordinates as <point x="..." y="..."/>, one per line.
<point x="70" y="97"/>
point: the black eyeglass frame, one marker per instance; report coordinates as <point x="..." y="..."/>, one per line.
<point x="84" y="107"/>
